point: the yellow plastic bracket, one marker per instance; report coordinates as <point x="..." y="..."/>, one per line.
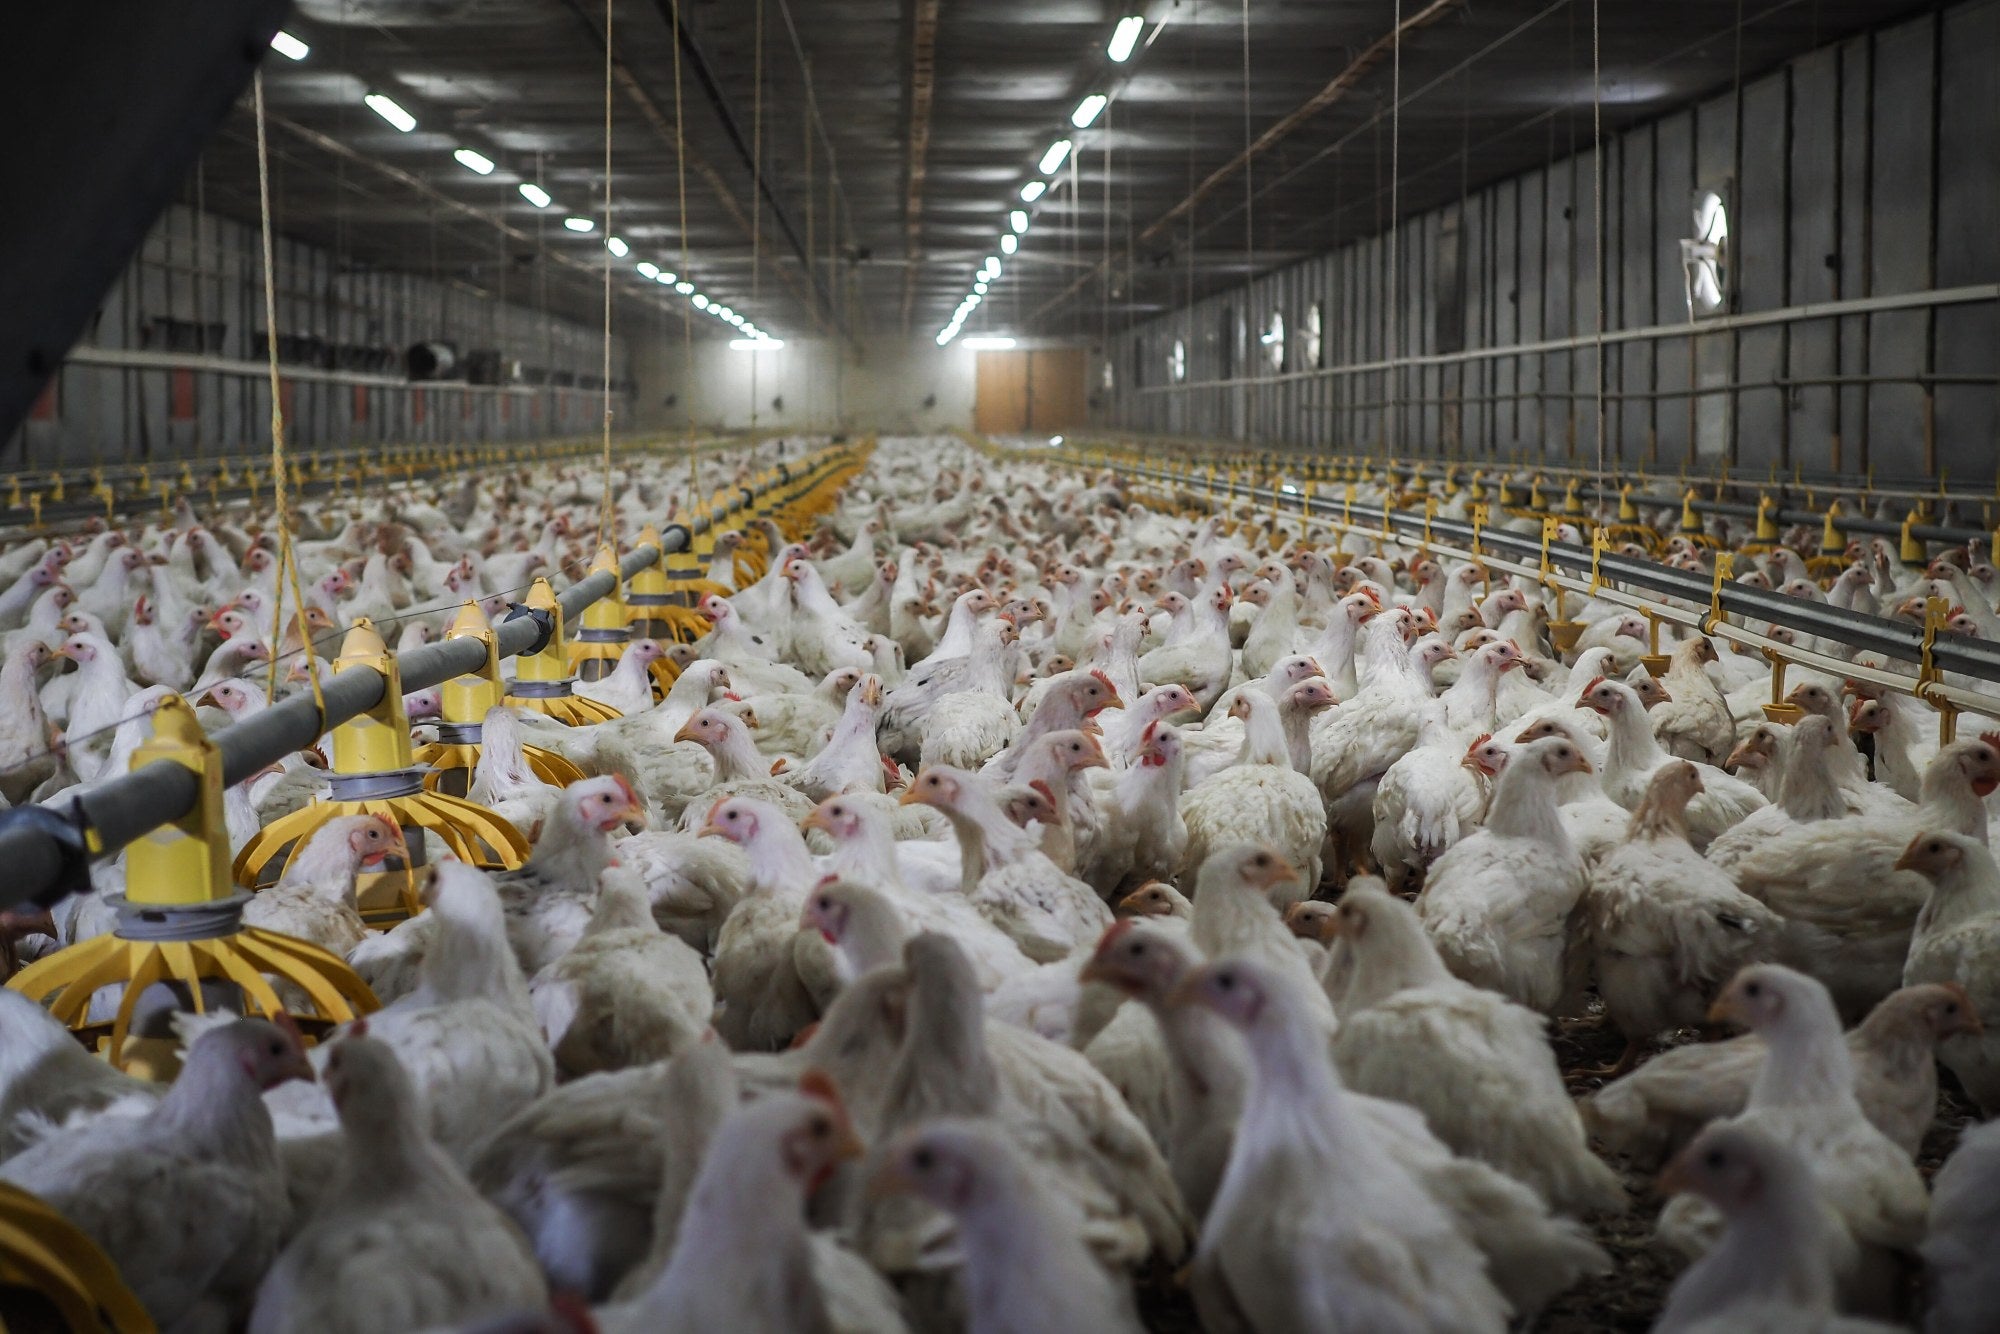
<point x="1480" y="513"/>
<point x="1549" y="526"/>
<point x="1912" y="547"/>
<point x="465" y="699"/>
<point x="1430" y="512"/>
<point x="1627" y="511"/>
<point x="1725" y="566"/>
<point x="1599" y="540"/>
<point x="552" y="663"/>
<point x="378" y="740"/>
<point x="1767" y="519"/>
<point x="184" y="860"/>
<point x="1832" y="542"/>
<point x="1690" y="521"/>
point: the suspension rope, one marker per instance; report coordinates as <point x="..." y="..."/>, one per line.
<point x="1597" y="214"/>
<point x="607" y="529"/>
<point x="1392" y="419"/>
<point x="681" y="188"/>
<point x="288" y="565"/>
<point x="756" y="192"/>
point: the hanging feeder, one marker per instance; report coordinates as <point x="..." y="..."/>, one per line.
<point x="44" y="1252"/>
<point x="463" y="705"/>
<point x="542" y="679"/>
<point x="180" y="920"/>
<point x="375" y="773"/>
<point x="601" y="636"/>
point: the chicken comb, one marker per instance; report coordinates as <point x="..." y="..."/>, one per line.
<point x="1108" y="683"/>
<point x="1116" y="932"/>
<point x="1478" y="741"/>
<point x="1591" y="685"/>
<point x="817" y="1083"/>
<point x="626" y="788"/>
<point x="1991" y="738"/>
<point x="357" y="1029"/>
<point x="1152" y="730"/>
<point x="1048" y="793"/>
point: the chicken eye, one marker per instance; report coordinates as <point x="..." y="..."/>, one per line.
<point x="923" y="1160"/>
<point x="1227" y="981"/>
<point x="821" y="1128"/>
<point x="1753" y="989"/>
<point x="1716" y="1159"/>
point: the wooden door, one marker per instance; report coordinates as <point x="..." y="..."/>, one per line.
<point x="1056" y="397"/>
<point x="1000" y="393"/>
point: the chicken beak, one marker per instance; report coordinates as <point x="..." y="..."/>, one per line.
<point x="912" y="796"/>
<point x="1113" y="703"/>
<point x="1095" y="759"/>
<point x="687" y="732"/>
<point x="816" y="818"/>
<point x="1910" y="859"/>
<point x="1725" y="1011"/>
<point x="1583" y="765"/>
<point x="64" y="652"/>
<point x="1743" y="751"/>
<point x="207" y="697"/>
<point x="871" y="693"/>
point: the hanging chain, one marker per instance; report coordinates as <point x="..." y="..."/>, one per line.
<point x="607" y="531"/>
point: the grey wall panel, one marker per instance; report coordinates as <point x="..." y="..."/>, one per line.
<point x="1899" y="255"/>
<point x="1968" y="339"/>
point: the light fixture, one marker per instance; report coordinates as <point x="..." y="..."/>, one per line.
<point x="684" y="289"/>
<point x="1018" y="220"/>
<point x="758" y="344"/>
<point x="1054" y="439"/>
<point x="472" y="161"/>
<point x="648" y="269"/>
<point x="1289" y="489"/>
<point x="1087" y="111"/>
<point x="1032" y="191"/>
<point x="1125" y="38"/>
<point x="668" y="277"/>
<point x="579" y="224"/>
<point x="725" y="312"/>
<point x="288" y="46"/>
<point x="980" y="287"/>
<point x="1008" y="244"/>
<point x="617" y="247"/>
<point x="700" y="301"/>
<point x="993" y="265"/>
<point x="990" y="342"/>
<point x="390" y="112"/>
<point x="974" y="300"/>
<point x="535" y="194"/>
<point x="1053" y="159"/>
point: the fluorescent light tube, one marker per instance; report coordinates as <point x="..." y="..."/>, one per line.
<point x="1087" y="111"/>
<point x="390" y="112"/>
<point x="1033" y="191"/>
<point x="579" y="224"/>
<point x="1125" y="38"/>
<point x="288" y="46"/>
<point x="535" y="194"/>
<point x="1053" y="159"/>
<point x="472" y="161"/>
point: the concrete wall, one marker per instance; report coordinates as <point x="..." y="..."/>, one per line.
<point x="144" y="384"/>
<point x="882" y="387"/>
<point x="1863" y="170"/>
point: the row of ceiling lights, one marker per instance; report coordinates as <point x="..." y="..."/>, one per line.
<point x="1124" y="40"/>
<point x="285" y="44"/>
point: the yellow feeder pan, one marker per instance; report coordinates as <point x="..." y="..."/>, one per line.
<point x="684" y="579"/>
<point x="375" y="773"/>
<point x="44" y="1252"/>
<point x="542" y="680"/>
<point x="600" y="639"/>
<point x="463" y="705"/>
<point x="180" y="920"/>
<point x="1912" y="550"/>
<point x="1572" y="502"/>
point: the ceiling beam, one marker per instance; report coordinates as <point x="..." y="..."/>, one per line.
<point x="923" y="84"/>
<point x="1338" y="87"/>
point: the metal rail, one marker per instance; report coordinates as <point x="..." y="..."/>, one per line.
<point x="1898" y="640"/>
<point x="1273" y="461"/>
<point x="43" y="855"/>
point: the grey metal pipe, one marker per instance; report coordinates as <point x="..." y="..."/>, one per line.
<point x="113" y="814"/>
<point x="1976" y="658"/>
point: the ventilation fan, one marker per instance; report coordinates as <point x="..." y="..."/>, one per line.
<point x="1273" y="340"/>
<point x="1705" y="256"/>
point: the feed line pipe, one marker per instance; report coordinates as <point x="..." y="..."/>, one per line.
<point x="46" y="850"/>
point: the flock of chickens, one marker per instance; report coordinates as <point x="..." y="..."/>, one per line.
<point x="1028" y="907"/>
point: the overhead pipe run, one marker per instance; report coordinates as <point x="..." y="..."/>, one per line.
<point x="48" y="849"/>
<point x="1975" y="658"/>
